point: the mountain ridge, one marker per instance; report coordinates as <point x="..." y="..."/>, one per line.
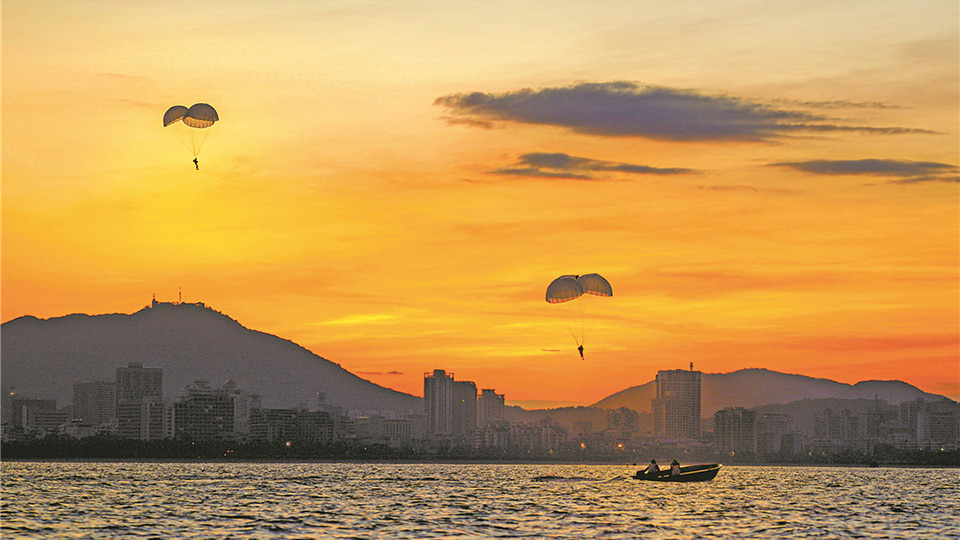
<point x="42" y="357"/>
<point x="190" y="342"/>
<point x="753" y="387"/>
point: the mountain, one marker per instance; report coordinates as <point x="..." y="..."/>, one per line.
<point x="43" y="357"/>
<point x="754" y="387"/>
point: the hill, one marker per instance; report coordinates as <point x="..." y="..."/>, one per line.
<point x="43" y="357"/>
<point x="754" y="387"/>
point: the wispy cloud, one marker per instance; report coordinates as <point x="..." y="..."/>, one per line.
<point x="560" y="165"/>
<point x="365" y="318"/>
<point x="631" y="110"/>
<point x="837" y="104"/>
<point x="903" y="171"/>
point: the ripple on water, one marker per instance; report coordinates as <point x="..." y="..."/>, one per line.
<point x="303" y="500"/>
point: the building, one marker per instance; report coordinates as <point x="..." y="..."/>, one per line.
<point x="833" y="432"/>
<point x="136" y="382"/>
<point x="292" y="426"/>
<point x="243" y="405"/>
<point x="490" y="408"/>
<point x="543" y="436"/>
<point x="141" y="412"/>
<point x="438" y="402"/>
<point x="932" y="424"/>
<point x="314" y="427"/>
<point x="623" y="420"/>
<point x="24" y="411"/>
<point x="777" y="435"/>
<point x="735" y="430"/>
<point x="464" y="409"/>
<point x="205" y="414"/>
<point x="94" y="403"/>
<point x="450" y="407"/>
<point x="273" y="425"/>
<point x="494" y="435"/>
<point x="48" y="421"/>
<point x="379" y="429"/>
<point x="676" y="409"/>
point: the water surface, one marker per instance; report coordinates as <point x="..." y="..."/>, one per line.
<point x="339" y="500"/>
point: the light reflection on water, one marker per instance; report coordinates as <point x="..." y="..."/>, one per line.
<point x="341" y="500"/>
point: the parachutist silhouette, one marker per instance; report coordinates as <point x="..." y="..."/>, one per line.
<point x="570" y="288"/>
<point x="196" y="163"/>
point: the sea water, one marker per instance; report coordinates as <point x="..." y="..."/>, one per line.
<point x="368" y="500"/>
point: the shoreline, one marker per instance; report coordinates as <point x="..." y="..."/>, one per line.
<point x="459" y="462"/>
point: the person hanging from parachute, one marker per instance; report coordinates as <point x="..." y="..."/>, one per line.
<point x="569" y="292"/>
<point x="191" y="125"/>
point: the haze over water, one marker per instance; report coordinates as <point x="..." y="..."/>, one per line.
<point x="337" y="500"/>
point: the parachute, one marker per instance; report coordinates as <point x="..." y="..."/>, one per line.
<point x="572" y="293"/>
<point x="191" y="125"/>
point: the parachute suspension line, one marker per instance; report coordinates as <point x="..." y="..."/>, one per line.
<point x="193" y="123"/>
<point x="581" y="317"/>
<point x="573" y="292"/>
<point x="197" y="139"/>
<point x="571" y="314"/>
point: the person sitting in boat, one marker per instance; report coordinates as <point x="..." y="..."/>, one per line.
<point x="653" y="468"/>
<point x="674" y="468"/>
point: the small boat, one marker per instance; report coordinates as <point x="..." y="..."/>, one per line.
<point x="690" y="473"/>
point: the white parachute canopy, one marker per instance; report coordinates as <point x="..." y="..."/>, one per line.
<point x="191" y="125"/>
<point x="571" y="292"/>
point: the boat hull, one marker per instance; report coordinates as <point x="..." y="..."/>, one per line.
<point x="690" y="473"/>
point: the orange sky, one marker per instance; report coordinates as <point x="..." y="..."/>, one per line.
<point x="393" y="185"/>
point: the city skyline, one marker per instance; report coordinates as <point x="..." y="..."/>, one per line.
<point x="201" y="343"/>
<point x="394" y="186"/>
<point x="456" y="415"/>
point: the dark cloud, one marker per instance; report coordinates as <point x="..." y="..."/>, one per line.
<point x="902" y="170"/>
<point x="631" y="110"/>
<point x="560" y="165"/>
<point x="379" y="373"/>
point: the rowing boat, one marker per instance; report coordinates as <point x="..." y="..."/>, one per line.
<point x="689" y="473"/>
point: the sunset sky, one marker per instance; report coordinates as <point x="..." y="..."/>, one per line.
<point x="393" y="184"/>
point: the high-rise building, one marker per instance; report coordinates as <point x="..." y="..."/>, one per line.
<point x="622" y="420"/>
<point x="205" y="414"/>
<point x="777" y="434"/>
<point x="273" y="425"/>
<point x="141" y="412"/>
<point x="490" y="408"/>
<point x="933" y="424"/>
<point x="735" y="430"/>
<point x="450" y="406"/>
<point x="837" y="430"/>
<point x="676" y="409"/>
<point x="292" y="426"/>
<point x="25" y="411"/>
<point x="136" y="382"/>
<point x="94" y="403"/>
<point x="438" y="402"/>
<point x="243" y="404"/>
<point x="464" y="408"/>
